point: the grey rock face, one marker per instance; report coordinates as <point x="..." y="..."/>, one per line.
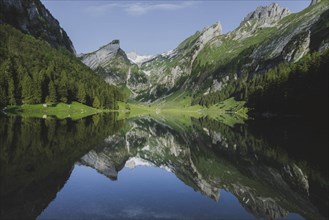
<point x="111" y="62"/>
<point x="31" y="16"/>
<point x="102" y="56"/>
<point x="267" y="14"/>
<point x="297" y="47"/>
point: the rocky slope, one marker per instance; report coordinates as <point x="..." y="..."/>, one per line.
<point x="109" y="61"/>
<point x="31" y="16"/>
<point x="212" y="62"/>
<point x="113" y="64"/>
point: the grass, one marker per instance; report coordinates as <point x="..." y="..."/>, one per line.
<point x="75" y="110"/>
<point x="177" y="108"/>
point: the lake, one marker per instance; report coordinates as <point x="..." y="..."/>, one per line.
<point x="100" y="167"/>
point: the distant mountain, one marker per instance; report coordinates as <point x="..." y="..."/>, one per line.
<point x="213" y="66"/>
<point x="32" y="17"/>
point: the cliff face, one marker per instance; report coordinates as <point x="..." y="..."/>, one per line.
<point x="267" y="15"/>
<point x="31" y="16"/>
<point x="110" y="61"/>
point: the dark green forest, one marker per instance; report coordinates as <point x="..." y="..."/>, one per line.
<point x="33" y="72"/>
<point x="289" y="88"/>
<point x="293" y="88"/>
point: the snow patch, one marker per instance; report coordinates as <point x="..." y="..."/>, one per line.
<point x="139" y="59"/>
<point x="169" y="54"/>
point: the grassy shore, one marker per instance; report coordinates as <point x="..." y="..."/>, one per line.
<point x="75" y="110"/>
<point x="177" y="106"/>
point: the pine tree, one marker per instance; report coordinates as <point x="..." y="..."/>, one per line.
<point x="63" y="88"/>
<point x="11" y="92"/>
<point x="3" y="101"/>
<point x="96" y="103"/>
<point x="81" y="94"/>
<point x="37" y="91"/>
<point x="52" y="97"/>
<point x="27" y="96"/>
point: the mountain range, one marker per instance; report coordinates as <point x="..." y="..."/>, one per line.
<point x="210" y="60"/>
<point x="264" y="53"/>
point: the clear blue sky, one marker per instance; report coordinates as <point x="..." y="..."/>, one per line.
<point x="148" y="27"/>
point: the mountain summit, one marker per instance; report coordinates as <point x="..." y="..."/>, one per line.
<point x="267" y="15"/>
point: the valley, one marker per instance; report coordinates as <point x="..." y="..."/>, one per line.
<point x="226" y="125"/>
<point x="205" y="70"/>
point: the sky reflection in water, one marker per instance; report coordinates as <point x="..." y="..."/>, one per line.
<point x="142" y="192"/>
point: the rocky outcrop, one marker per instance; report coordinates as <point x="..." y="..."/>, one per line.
<point x="102" y="56"/>
<point x="31" y="16"/>
<point x="113" y="64"/>
<point x="297" y="47"/>
<point x="267" y="15"/>
<point x="109" y="61"/>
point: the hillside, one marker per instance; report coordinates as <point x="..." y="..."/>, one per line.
<point x="32" y="72"/>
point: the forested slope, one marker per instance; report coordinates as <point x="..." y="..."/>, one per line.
<point x="31" y="72"/>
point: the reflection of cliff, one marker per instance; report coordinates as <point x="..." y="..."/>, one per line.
<point x="208" y="158"/>
<point x="36" y="158"/>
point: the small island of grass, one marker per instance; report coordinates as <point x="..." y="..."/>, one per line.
<point x="74" y="110"/>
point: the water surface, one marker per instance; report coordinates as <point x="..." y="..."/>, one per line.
<point x="156" y="168"/>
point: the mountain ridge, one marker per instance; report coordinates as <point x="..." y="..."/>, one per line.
<point x="211" y="62"/>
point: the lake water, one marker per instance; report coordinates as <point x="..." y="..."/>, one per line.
<point x="162" y="168"/>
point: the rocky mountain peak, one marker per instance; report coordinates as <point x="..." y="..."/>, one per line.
<point x="102" y="56"/>
<point x="211" y="32"/>
<point x="267" y="15"/>
<point x="112" y="47"/>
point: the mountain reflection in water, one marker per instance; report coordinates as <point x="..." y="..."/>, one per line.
<point x="48" y="169"/>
